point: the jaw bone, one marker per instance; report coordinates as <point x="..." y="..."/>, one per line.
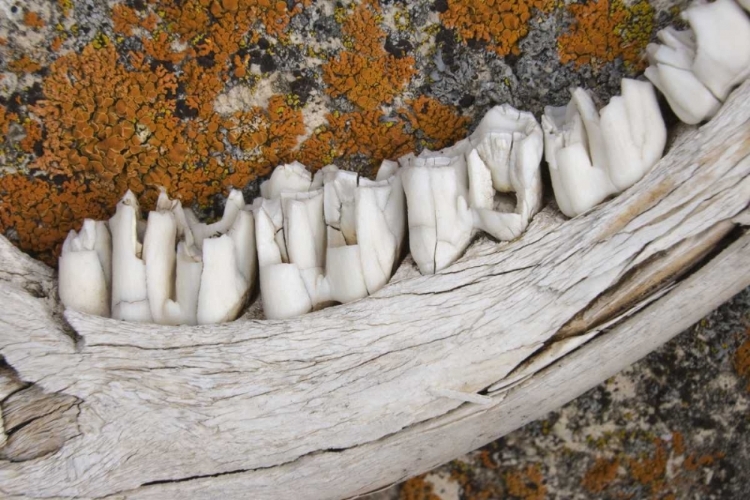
<point x="452" y="192"/>
<point x="593" y="155"/>
<point x="697" y="68"/>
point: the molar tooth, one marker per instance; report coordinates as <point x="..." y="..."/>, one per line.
<point x="722" y="33"/>
<point x="593" y="155"/>
<point x="451" y="192"/>
<point x="697" y="68"/>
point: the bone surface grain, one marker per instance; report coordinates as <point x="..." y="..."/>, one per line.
<point x="352" y="398"/>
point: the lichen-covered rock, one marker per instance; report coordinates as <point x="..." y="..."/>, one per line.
<point x="199" y="96"/>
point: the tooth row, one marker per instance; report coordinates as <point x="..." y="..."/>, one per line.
<point x="336" y="237"/>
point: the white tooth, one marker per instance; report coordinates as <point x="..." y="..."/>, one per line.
<point x="242" y="233"/>
<point x="129" y="292"/>
<point x="451" y="192"/>
<point x="283" y="291"/>
<point x="338" y="192"/>
<point x="481" y="192"/>
<point x="378" y="239"/>
<point x="387" y="170"/>
<point x="344" y="281"/>
<point x="229" y="263"/>
<point x="291" y="240"/>
<point x="84" y="269"/>
<point x="634" y="133"/>
<point x="292" y="177"/>
<point x="223" y="289"/>
<point x="510" y="144"/>
<point x="268" y="221"/>
<point x="159" y="258"/>
<point x="304" y="228"/>
<point x="722" y="33"/>
<point x="189" y="267"/>
<point x="440" y="227"/>
<point x="592" y="157"/>
<point x="690" y="100"/>
<point x="697" y="68"/>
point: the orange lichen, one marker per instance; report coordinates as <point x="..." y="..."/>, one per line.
<point x="527" y="484"/>
<point x="6" y="119"/>
<point x="48" y="213"/>
<point x="24" y="64"/>
<point x="32" y="20"/>
<point x="33" y="135"/>
<point x="604" y="30"/>
<point x="440" y="124"/>
<point x="366" y="133"/>
<point x="56" y="44"/>
<point x="600" y="475"/>
<point x="742" y="361"/>
<point x="499" y="23"/>
<point x="267" y="136"/>
<point x="365" y="73"/>
<point x="124" y="19"/>
<point x="651" y="470"/>
<point x="417" y="488"/>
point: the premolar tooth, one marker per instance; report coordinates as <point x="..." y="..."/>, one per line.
<point x="129" y="291"/>
<point x="85" y="269"/>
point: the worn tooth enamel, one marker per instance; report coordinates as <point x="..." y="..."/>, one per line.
<point x="339" y="187"/>
<point x="85" y="269"/>
<point x="223" y="289"/>
<point x="697" y="68"/>
<point x="591" y="155"/>
<point x="129" y="291"/>
<point x="381" y="226"/>
<point x="690" y="100"/>
<point x="634" y="133"/>
<point x="292" y="177"/>
<point x="291" y="241"/>
<point x="452" y="192"/>
<point x="229" y="270"/>
<point x="510" y="144"/>
<point x="343" y="238"/>
<point x="722" y="33"/>
<point x="159" y="257"/>
<point x="440" y="221"/>
<point x="283" y="291"/>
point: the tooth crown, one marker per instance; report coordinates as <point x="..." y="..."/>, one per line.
<point x="451" y="193"/>
<point x="697" y="68"/>
<point x="593" y="155"/>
